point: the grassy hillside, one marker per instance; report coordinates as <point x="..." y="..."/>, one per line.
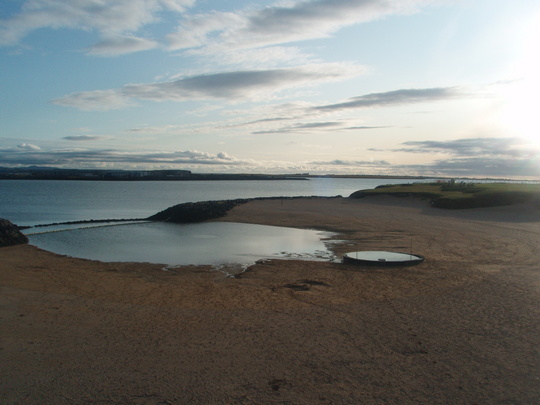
<point x="461" y="195"/>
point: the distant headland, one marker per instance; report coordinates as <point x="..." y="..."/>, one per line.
<point x="51" y="173"/>
<point x="55" y="173"/>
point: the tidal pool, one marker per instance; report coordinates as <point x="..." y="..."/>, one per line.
<point x="209" y="243"/>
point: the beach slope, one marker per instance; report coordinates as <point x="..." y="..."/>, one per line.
<point x="462" y="327"/>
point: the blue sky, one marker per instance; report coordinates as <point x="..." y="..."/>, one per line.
<point x="412" y="87"/>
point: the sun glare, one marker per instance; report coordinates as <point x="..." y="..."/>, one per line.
<point x="519" y="115"/>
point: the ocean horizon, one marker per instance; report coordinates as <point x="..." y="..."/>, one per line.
<point x="37" y="202"/>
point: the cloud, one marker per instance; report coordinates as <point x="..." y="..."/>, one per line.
<point x="236" y="85"/>
<point x="316" y="125"/>
<point x="351" y="163"/>
<point x="109" y="18"/>
<point x="314" y="19"/>
<point x="21" y="148"/>
<point x="121" y="45"/>
<point x="374" y="100"/>
<point x="27" y="146"/>
<point x="269" y="56"/>
<point x="312" y="126"/>
<point x="196" y="30"/>
<point x="97" y="100"/>
<point x="278" y="24"/>
<point x="302" y="127"/>
<point x="257" y="35"/>
<point x="470" y="166"/>
<point x="365" y="128"/>
<point x="397" y="97"/>
<point x="241" y="84"/>
<point x="516" y="147"/>
<point x="478" y="167"/>
<point x="159" y="129"/>
<point x="212" y="33"/>
<point x="477" y="157"/>
<point x="109" y="157"/>
<point x="84" y="138"/>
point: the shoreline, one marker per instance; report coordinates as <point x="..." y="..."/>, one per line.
<point x="461" y="327"/>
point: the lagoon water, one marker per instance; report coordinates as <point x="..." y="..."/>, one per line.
<point x="33" y="202"/>
<point x="210" y="243"/>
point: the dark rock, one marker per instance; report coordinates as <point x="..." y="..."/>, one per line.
<point x="196" y="212"/>
<point x="10" y="234"/>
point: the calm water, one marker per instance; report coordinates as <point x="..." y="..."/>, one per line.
<point x="32" y="202"/>
<point x="212" y="243"/>
<point x="29" y="202"/>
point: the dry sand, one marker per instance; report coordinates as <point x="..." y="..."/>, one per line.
<point x="461" y="328"/>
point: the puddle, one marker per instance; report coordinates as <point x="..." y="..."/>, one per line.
<point x="211" y="243"/>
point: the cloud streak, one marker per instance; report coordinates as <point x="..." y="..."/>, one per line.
<point x="315" y="126"/>
<point x="397" y="98"/>
<point x="32" y="155"/>
<point x="466" y="164"/>
<point x="232" y="86"/>
<point x="118" y="22"/>
<point x="84" y="138"/>
<point x="351" y="163"/>
<point x="278" y="24"/>
<point x="477" y="167"/>
<point x="111" y="19"/>
<point x="515" y="147"/>
<point x="476" y="157"/>
<point x="121" y="45"/>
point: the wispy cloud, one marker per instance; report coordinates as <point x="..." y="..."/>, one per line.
<point x="301" y="127"/>
<point x="26" y="147"/>
<point x="121" y="45"/>
<point x="502" y="167"/>
<point x="119" y="23"/>
<point x="351" y="163"/>
<point x="282" y="23"/>
<point x="506" y="166"/>
<point x="32" y="155"/>
<point x="84" y="138"/>
<point x="313" y="126"/>
<point x="269" y="35"/>
<point x="111" y="19"/>
<point x="473" y="157"/>
<point x="366" y="128"/>
<point x="397" y="97"/>
<point x="96" y="100"/>
<point x="231" y="86"/>
<point x="517" y="147"/>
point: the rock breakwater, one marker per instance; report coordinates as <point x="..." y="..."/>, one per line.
<point x="10" y="234"/>
<point x="197" y="211"/>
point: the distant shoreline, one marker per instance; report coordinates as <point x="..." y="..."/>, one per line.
<point x="47" y="173"/>
<point x="137" y="176"/>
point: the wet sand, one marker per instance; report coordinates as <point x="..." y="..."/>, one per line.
<point x="461" y="328"/>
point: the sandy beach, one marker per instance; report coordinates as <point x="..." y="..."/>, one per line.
<point x="461" y="328"/>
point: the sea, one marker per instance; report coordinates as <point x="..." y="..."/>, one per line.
<point x="33" y="202"/>
<point x="40" y="202"/>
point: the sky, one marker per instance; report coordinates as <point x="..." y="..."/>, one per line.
<point x="372" y="87"/>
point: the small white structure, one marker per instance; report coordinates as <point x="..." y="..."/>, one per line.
<point x="382" y="258"/>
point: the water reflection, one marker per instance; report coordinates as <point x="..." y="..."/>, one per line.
<point x="213" y="243"/>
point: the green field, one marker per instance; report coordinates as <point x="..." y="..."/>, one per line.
<point x="461" y="195"/>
